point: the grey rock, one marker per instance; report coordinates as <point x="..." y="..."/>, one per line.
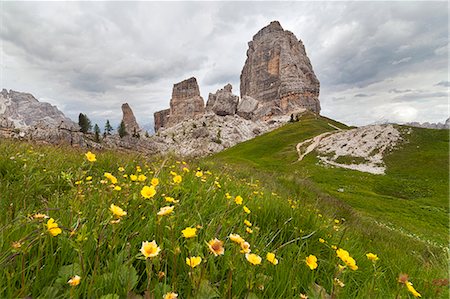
<point x="247" y="107"/>
<point x="223" y="102"/>
<point x="131" y="125"/>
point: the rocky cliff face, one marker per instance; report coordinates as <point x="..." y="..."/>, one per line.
<point x="161" y="118"/>
<point x="22" y="111"/>
<point x="131" y="125"/>
<point x="186" y="102"/>
<point x="278" y="73"/>
<point x="223" y="102"/>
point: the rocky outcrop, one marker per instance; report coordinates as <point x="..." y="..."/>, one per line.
<point x="223" y="102"/>
<point x="427" y="125"/>
<point x="278" y="73"/>
<point x="22" y="111"/>
<point x="186" y="102"/>
<point x="161" y="118"/>
<point x="131" y="125"/>
<point x="247" y="107"/>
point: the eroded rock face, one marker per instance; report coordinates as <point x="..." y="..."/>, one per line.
<point x="186" y="102"/>
<point x="223" y="102"/>
<point x="278" y="73"/>
<point x="161" y="118"/>
<point x="131" y="125"/>
<point x="247" y="107"/>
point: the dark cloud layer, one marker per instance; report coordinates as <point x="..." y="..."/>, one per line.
<point x="375" y="60"/>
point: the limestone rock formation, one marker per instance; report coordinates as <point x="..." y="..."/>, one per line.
<point x="278" y="73"/>
<point x="223" y="102"/>
<point x="160" y="118"/>
<point x="131" y="125"/>
<point x="186" y="102"/>
<point x="247" y="107"/>
<point x="22" y="111"/>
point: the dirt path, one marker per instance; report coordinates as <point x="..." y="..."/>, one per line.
<point x="314" y="143"/>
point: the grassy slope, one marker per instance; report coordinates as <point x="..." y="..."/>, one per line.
<point x="404" y="210"/>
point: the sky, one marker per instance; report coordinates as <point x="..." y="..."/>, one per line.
<point x="376" y="61"/>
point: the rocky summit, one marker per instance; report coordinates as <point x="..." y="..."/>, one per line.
<point x="128" y="118"/>
<point x="223" y="102"/>
<point x="278" y="73"/>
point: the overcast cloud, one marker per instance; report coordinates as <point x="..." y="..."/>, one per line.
<point x="376" y="61"/>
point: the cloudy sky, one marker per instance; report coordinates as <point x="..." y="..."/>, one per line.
<point x="376" y="61"/>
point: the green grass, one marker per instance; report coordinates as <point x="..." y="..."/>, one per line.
<point x="292" y="204"/>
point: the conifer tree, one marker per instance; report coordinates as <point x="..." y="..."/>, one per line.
<point x="108" y="128"/>
<point x="122" y="130"/>
<point x="97" y="133"/>
<point x="84" y="123"/>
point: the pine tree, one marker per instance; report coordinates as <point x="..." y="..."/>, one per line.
<point x="108" y="128"/>
<point x="84" y="123"/>
<point x="97" y="133"/>
<point x="122" y="130"/>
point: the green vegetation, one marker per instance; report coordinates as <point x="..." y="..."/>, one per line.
<point x="84" y="123"/>
<point x="122" y="129"/>
<point x="294" y="209"/>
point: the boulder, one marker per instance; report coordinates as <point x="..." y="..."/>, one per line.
<point x="247" y="107"/>
<point x="278" y="72"/>
<point x="223" y="102"/>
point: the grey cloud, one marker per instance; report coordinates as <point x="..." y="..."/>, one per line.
<point x="395" y="90"/>
<point x="443" y="83"/>
<point x="419" y="96"/>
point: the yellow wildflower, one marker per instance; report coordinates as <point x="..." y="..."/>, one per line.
<point x="110" y="177"/>
<point x="170" y="199"/>
<point x="228" y="196"/>
<point x="148" y="192"/>
<point x="164" y="211"/>
<point x="249" y="230"/>
<point x="133" y="177"/>
<point x="372" y="257"/>
<point x="154" y="182"/>
<point x="173" y="173"/>
<point x="248" y="223"/>
<point x="321" y="240"/>
<point x="53" y="228"/>
<point x="216" y="247"/>
<point x="189" y="232"/>
<point x="271" y="258"/>
<point x="150" y="249"/>
<point x="412" y="290"/>
<point x="185" y="169"/>
<point x="117" y="188"/>
<point x="177" y="179"/>
<point x="238" y="200"/>
<point x="253" y="259"/>
<point x="193" y="261"/>
<point x="245" y="247"/>
<point x="141" y="178"/>
<point x="170" y="295"/>
<point x="311" y="261"/>
<point x="236" y="238"/>
<point x="347" y="259"/>
<point x="121" y="169"/>
<point x="117" y="211"/>
<point x="246" y="210"/>
<point x="88" y="178"/>
<point x="199" y="174"/>
<point x="74" y="281"/>
<point x="40" y="216"/>
<point x="90" y="157"/>
<point x="334" y="247"/>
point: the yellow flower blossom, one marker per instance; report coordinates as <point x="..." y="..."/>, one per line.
<point x="148" y="192"/>
<point x="121" y="169"/>
<point x="154" y="182"/>
<point x="53" y="228"/>
<point x="253" y="259"/>
<point x="170" y="199"/>
<point x="199" y="174"/>
<point x="90" y="157"/>
<point x="247" y="223"/>
<point x="216" y="247"/>
<point x="228" y="196"/>
<point x="170" y="295"/>
<point x="245" y="247"/>
<point x="177" y="179"/>
<point x="185" y="169"/>
<point x="189" y="232"/>
<point x="347" y="259"/>
<point x="238" y="200"/>
<point x="110" y="177"/>
<point x="249" y="230"/>
<point x="193" y="261"/>
<point x="311" y="261"/>
<point x="372" y="257"/>
<point x="321" y="240"/>
<point x="141" y="178"/>
<point x="271" y="258"/>
<point x="246" y="210"/>
<point x="133" y="177"/>
<point x="117" y="188"/>
<point x="117" y="211"/>
<point x="236" y="238"/>
<point x="334" y="247"/>
<point x="150" y="249"/>
<point x="89" y="178"/>
<point x="412" y="290"/>
<point x="74" y="281"/>
<point x="173" y="173"/>
<point x="164" y="211"/>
